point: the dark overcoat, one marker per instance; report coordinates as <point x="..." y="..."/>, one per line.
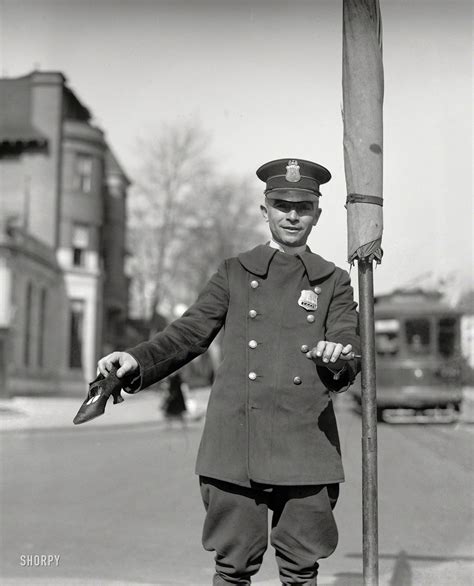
<point x="270" y="417"/>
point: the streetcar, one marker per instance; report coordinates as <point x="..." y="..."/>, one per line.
<point x="419" y="365"/>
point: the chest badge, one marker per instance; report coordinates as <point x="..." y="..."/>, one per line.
<point x="308" y="300"/>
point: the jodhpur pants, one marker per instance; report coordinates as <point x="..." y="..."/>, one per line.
<point x="303" y="529"/>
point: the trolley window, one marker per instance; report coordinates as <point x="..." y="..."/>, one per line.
<point x="387" y="332"/>
<point x="447" y="336"/>
<point x="418" y="335"/>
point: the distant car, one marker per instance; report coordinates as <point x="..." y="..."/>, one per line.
<point x="418" y="358"/>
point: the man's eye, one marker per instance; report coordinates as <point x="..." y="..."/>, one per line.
<point x="287" y="208"/>
<point x="305" y="209"/>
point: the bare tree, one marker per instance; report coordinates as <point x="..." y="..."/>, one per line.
<point x="227" y="222"/>
<point x="183" y="219"/>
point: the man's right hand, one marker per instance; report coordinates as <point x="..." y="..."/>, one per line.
<point x="126" y="362"/>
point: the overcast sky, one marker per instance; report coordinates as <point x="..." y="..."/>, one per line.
<point x="264" y="78"/>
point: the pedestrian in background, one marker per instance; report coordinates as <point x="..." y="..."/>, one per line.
<point x="270" y="441"/>
<point x="174" y="404"/>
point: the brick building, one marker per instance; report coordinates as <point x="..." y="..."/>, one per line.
<point x="62" y="238"/>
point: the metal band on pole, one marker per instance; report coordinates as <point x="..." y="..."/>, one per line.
<point x="369" y="424"/>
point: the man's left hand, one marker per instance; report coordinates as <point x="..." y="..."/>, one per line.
<point x="330" y="352"/>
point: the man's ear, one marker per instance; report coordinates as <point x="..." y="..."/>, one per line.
<point x="317" y="215"/>
<point x="264" y="212"/>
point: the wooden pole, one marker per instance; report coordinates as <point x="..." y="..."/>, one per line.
<point x="369" y="425"/>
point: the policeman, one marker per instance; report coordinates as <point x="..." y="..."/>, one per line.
<point x="270" y="441"/>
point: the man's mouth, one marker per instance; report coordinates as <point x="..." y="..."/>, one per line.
<point x="291" y="228"/>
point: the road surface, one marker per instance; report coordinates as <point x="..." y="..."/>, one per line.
<point x="122" y="506"/>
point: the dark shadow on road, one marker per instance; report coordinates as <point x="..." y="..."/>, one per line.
<point x="401" y="574"/>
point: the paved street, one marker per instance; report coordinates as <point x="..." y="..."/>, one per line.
<point x="122" y="506"/>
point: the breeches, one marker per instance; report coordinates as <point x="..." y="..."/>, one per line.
<point x="303" y="529"/>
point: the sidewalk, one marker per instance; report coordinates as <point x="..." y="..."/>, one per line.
<point x="37" y="413"/>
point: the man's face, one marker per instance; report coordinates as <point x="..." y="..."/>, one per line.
<point x="290" y="222"/>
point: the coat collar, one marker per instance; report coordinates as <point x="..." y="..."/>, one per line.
<point x="257" y="261"/>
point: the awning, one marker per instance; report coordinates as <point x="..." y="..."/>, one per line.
<point x="22" y="135"/>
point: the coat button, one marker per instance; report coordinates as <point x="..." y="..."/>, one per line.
<point x="304" y="348"/>
<point x="317" y="290"/>
<point x="297" y="380"/>
<point x="310" y="318"/>
<point x="254" y="284"/>
<point x="253" y="344"/>
<point x="252" y="375"/>
<point x="252" y="313"/>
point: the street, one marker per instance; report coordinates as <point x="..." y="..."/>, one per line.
<point x="122" y="506"/>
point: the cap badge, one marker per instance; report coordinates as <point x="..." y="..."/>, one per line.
<point x="308" y="300"/>
<point x="293" y="172"/>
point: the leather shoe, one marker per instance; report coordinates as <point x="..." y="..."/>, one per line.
<point x="99" y="392"/>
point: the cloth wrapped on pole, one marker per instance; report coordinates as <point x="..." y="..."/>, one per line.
<point x="362" y="83"/>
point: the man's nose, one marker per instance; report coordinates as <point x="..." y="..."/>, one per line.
<point x="293" y="215"/>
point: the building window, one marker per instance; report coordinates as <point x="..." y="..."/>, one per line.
<point x="76" y="333"/>
<point x="42" y="326"/>
<point x="79" y="243"/>
<point x="84" y="172"/>
<point x="28" y="311"/>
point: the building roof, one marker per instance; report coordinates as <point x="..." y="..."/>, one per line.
<point x="15" y="119"/>
<point x="16" y="127"/>
<point x="74" y="109"/>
